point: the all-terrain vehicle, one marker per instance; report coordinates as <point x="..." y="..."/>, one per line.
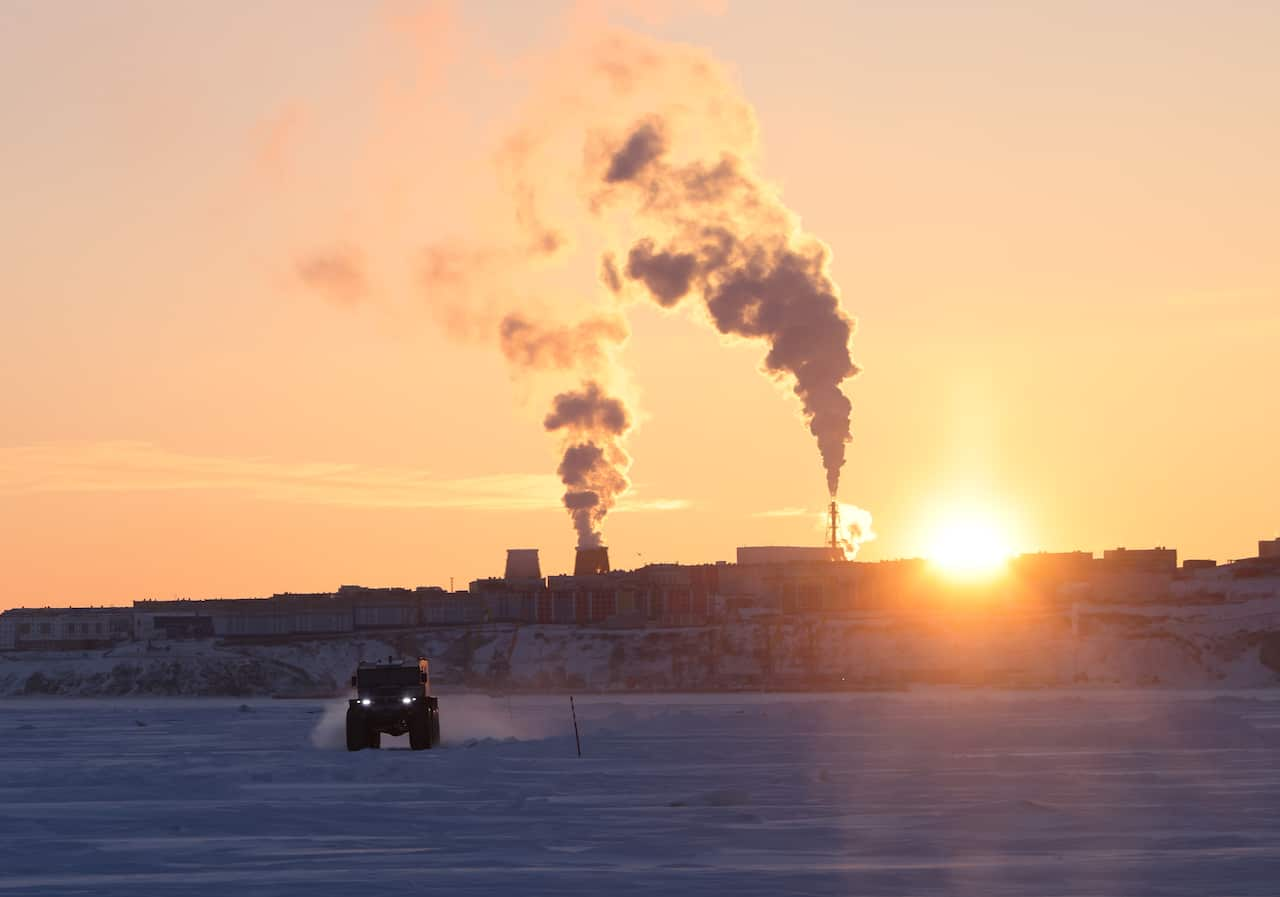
<point x="392" y="698"/>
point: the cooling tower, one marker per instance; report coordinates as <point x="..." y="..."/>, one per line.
<point x="522" y="563"/>
<point x="591" y="561"/>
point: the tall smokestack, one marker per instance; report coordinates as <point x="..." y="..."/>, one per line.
<point x="522" y="563"/>
<point x="591" y="561"/>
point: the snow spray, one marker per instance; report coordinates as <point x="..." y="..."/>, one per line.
<point x="463" y="719"/>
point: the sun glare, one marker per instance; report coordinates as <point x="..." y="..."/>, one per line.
<point x="969" y="545"/>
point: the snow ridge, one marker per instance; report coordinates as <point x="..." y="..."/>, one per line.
<point x="1124" y="646"/>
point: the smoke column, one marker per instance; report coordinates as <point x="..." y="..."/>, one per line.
<point x="634" y="156"/>
<point x="594" y="465"/>
<point x="728" y="240"/>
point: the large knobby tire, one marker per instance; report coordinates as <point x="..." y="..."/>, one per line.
<point x="420" y="730"/>
<point x="356" y="732"/>
<point x="435" y="728"/>
<point x="373" y="737"/>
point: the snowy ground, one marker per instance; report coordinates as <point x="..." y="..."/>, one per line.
<point x="932" y="791"/>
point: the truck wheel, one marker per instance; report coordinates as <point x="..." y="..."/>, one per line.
<point x="374" y="738"/>
<point x="355" y="730"/>
<point x="420" y="731"/>
<point x="435" y="728"/>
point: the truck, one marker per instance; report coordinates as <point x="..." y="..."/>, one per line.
<point x="393" y="697"/>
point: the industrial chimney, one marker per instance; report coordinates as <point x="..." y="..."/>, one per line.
<point x="591" y="561"/>
<point x="522" y="563"/>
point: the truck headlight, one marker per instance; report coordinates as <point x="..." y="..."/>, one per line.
<point x="406" y="700"/>
<point x="365" y="701"/>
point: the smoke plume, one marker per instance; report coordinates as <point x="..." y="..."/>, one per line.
<point x="728" y="239"/>
<point x="643" y="146"/>
<point x="585" y="345"/>
<point x="336" y="272"/>
<point x="854" y="530"/>
<point x="627" y="172"/>
<point x="594" y="466"/>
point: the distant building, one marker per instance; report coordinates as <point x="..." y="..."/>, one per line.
<point x="786" y="554"/>
<point x="789" y="579"/>
<point x="506" y="600"/>
<point x="1135" y="575"/>
<point x="352" y="608"/>
<point x="64" y="628"/>
<point x="766" y="581"/>
<point x="1055" y="566"/>
<point x="381" y="608"/>
<point x="441" y="608"/>
<point x="1146" y="560"/>
<point x="1198" y="564"/>
<point x="316" y="613"/>
<point x="889" y="584"/>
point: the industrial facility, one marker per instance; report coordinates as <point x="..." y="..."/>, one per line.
<point x="763" y="581"/>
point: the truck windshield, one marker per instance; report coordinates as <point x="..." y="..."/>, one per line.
<point x="388" y="678"/>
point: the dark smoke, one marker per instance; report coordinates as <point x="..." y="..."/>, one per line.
<point x="337" y="273"/>
<point x="593" y="467"/>
<point x="609" y="274"/>
<point x="643" y="146"/>
<point x="578" y="462"/>
<point x="732" y="243"/>
<point x="588" y="411"/>
<point x="787" y="300"/>
<point x="667" y="275"/>
<point x="581" y="346"/>
<point x="583" y="501"/>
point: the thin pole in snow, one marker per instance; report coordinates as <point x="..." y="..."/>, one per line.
<point x="576" y="740"/>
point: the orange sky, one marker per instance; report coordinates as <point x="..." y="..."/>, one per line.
<point x="1057" y="230"/>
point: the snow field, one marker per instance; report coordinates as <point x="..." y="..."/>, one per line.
<point x="932" y="791"/>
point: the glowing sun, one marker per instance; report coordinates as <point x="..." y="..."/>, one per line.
<point x="968" y="545"/>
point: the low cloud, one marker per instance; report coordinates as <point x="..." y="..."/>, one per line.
<point x="120" y="467"/>
<point x="655" y="504"/>
<point x="782" y="512"/>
